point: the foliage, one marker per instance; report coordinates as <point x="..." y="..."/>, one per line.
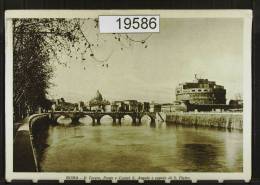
<point x="37" y="42"/>
<point x="34" y="42"/>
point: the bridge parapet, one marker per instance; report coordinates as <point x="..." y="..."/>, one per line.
<point x="96" y="116"/>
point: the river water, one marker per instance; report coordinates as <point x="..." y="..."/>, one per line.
<point x="162" y="147"/>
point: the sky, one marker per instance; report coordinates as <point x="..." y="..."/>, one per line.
<point x="210" y="48"/>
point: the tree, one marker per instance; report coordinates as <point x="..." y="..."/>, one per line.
<point x="31" y="73"/>
<point x="37" y="42"/>
<point x="33" y="47"/>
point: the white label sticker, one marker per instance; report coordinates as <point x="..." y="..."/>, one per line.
<point x="129" y="24"/>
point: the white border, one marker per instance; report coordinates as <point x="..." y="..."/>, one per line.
<point x="246" y="15"/>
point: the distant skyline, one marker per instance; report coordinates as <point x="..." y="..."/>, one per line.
<point x="211" y="48"/>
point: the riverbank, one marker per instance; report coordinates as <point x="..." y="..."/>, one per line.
<point x="208" y="119"/>
<point x="23" y="156"/>
<point x="26" y="142"/>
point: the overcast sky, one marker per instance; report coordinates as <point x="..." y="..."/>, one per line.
<point x="211" y="48"/>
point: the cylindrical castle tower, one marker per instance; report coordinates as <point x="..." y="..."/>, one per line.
<point x="201" y="92"/>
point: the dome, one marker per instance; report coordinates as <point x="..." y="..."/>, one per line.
<point x="98" y="96"/>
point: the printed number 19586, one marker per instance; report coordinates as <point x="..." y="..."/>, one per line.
<point x="137" y="22"/>
<point x="129" y="23"/>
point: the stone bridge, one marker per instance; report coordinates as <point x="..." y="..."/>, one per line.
<point x="96" y="116"/>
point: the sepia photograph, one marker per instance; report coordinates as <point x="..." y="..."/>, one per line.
<point x="173" y="104"/>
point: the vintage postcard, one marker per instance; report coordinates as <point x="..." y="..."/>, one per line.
<point x="128" y="95"/>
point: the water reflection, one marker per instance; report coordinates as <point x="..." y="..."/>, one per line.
<point x="106" y="120"/>
<point x="126" y="120"/>
<point x="199" y="156"/>
<point x="62" y="120"/>
<point x="160" y="147"/>
<point x="86" y="120"/>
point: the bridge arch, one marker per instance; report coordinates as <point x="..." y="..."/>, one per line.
<point x="63" y="120"/>
<point x="144" y="117"/>
<point x="133" y="118"/>
<point x="152" y="117"/>
<point x="106" y="119"/>
<point x="126" y="119"/>
<point x="86" y="119"/>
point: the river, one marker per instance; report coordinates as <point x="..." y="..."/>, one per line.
<point x="147" y="148"/>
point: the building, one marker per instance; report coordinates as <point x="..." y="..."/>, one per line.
<point x="201" y="92"/>
<point x="131" y="105"/>
<point x="145" y="106"/>
<point x="107" y="108"/>
<point x="114" y="107"/>
<point x="155" y="107"/>
<point x="236" y="104"/>
<point x="180" y="106"/>
<point x="118" y="106"/>
<point x="98" y="103"/>
<point x="61" y="105"/>
<point x="81" y="106"/>
<point x="167" y="107"/>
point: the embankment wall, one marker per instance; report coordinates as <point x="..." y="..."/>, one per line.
<point x="27" y="143"/>
<point x="207" y="119"/>
<point x="39" y="125"/>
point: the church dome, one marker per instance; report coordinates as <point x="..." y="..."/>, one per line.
<point x="98" y="96"/>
